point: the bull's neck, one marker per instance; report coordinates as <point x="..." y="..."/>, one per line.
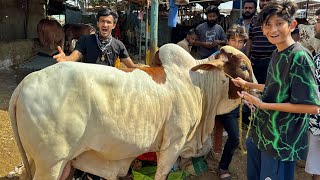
<point x="212" y="85"/>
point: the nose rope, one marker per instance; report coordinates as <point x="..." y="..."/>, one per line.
<point x="227" y="75"/>
<point x="241" y="129"/>
<point x="240" y="119"/>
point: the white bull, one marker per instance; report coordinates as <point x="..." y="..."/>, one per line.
<point x="307" y="38"/>
<point x="100" y="118"/>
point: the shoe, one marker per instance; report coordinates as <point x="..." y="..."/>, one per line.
<point x="224" y="133"/>
<point x="224" y="174"/>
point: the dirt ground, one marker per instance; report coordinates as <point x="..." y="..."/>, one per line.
<point x="10" y="157"/>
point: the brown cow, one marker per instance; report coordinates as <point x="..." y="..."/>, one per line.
<point x="74" y="31"/>
<point x="50" y="33"/>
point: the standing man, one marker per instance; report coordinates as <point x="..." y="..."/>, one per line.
<point x="211" y="35"/>
<point x="259" y="49"/>
<point x="249" y="10"/>
<point x="187" y="42"/>
<point x="99" y="48"/>
<point x="313" y="158"/>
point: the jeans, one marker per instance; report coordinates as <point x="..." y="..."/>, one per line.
<point x="262" y="166"/>
<point x="230" y="124"/>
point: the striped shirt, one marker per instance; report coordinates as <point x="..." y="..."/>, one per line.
<point x="261" y="49"/>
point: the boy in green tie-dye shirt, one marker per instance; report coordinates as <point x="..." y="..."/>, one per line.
<point x="290" y="94"/>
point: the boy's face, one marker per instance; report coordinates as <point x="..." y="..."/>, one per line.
<point x="236" y="42"/>
<point x="317" y="27"/>
<point x="278" y="31"/>
<point x="106" y="25"/>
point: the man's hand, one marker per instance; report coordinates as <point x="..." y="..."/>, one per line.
<point x="209" y="45"/>
<point x="220" y="42"/>
<point x="61" y="56"/>
<point x="143" y="65"/>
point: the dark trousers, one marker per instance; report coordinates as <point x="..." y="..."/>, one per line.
<point x="261" y="166"/>
<point x="80" y="175"/>
<point x="230" y="124"/>
<point x="260" y="70"/>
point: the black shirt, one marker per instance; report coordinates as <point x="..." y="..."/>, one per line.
<point x="89" y="48"/>
<point x="290" y="79"/>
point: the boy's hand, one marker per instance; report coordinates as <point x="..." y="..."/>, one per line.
<point x="250" y="98"/>
<point x="239" y="82"/>
<point x="61" y="56"/>
<point x="250" y="105"/>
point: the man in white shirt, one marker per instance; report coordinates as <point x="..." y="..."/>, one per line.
<point x="187" y="42"/>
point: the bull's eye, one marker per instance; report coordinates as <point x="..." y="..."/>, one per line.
<point x="244" y="68"/>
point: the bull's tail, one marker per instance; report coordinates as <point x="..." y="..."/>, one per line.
<point x="14" y="124"/>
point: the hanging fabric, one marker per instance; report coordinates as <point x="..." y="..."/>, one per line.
<point x="173" y="14"/>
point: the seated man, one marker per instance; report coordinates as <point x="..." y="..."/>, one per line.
<point x="187" y="42"/>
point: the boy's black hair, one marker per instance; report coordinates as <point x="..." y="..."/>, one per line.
<point x="108" y="12"/>
<point x="317" y="12"/>
<point x="213" y="9"/>
<point x="237" y="30"/>
<point x="251" y="1"/>
<point x="285" y="9"/>
<point x="192" y="31"/>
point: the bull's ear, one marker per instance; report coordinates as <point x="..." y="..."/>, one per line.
<point x="156" y="60"/>
<point x="210" y="65"/>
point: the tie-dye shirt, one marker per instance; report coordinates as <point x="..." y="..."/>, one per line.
<point x="290" y="79"/>
<point x="314" y="123"/>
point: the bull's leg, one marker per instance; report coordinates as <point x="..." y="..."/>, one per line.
<point x="66" y="171"/>
<point x="50" y="171"/>
<point x="69" y="44"/>
<point x="52" y="44"/>
<point x="23" y="175"/>
<point x="166" y="160"/>
<point x="62" y="43"/>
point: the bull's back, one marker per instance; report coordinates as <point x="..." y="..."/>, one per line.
<point x="93" y="105"/>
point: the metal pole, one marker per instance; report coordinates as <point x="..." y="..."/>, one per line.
<point x="146" y="34"/>
<point x="154" y="27"/>
<point x="140" y="35"/>
<point x="240" y="7"/>
<point x="307" y="9"/>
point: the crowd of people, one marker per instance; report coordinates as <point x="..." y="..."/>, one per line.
<point x="286" y="127"/>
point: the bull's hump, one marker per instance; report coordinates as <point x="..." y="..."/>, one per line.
<point x="157" y="73"/>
